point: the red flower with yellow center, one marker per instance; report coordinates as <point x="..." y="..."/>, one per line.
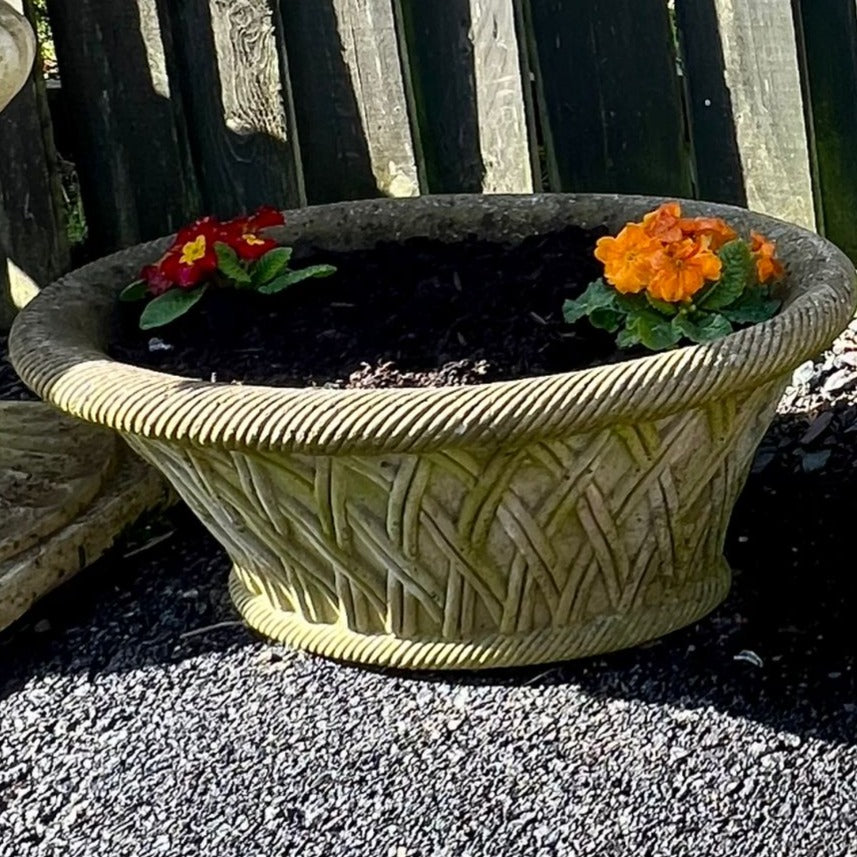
<point x="266" y="217"/>
<point x="189" y="260"/>
<point x="192" y="258"/>
<point x="681" y="269"/>
<point x="250" y="246"/>
<point x="263" y="218"/>
<point x="193" y="251"/>
<point x="626" y="258"/>
<point x="768" y="267"/>
<point x="242" y="233"/>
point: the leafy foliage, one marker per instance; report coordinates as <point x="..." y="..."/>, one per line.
<point x="169" y="306"/>
<point x="659" y="325"/>
<point x="230" y="265"/>
<point x="137" y="291"/>
<point x="670" y="279"/>
<point x="753" y="307"/>
<point x="289" y="278"/>
<point x="210" y="253"/>
<point x="738" y="273"/>
<point x="271" y="265"/>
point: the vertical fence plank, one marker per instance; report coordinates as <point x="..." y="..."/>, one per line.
<point x="760" y="73"/>
<point x="829" y="39"/>
<point x="465" y="68"/>
<point x="33" y="244"/>
<point x="503" y="136"/>
<point x="130" y="139"/>
<point x="609" y="96"/>
<point x="531" y="109"/>
<point x="719" y="174"/>
<point x="350" y="101"/>
<point x="237" y="94"/>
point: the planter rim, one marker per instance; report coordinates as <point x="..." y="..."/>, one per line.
<point x="55" y="346"/>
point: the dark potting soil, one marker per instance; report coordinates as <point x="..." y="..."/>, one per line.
<point x="415" y="313"/>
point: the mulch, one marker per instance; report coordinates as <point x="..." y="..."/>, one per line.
<point x="413" y="313"/>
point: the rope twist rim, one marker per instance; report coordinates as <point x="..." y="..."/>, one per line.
<point x="57" y="345"/>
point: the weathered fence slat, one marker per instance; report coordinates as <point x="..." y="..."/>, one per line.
<point x="350" y="101"/>
<point x="185" y="106"/>
<point x="609" y="97"/>
<point x="829" y="42"/>
<point x="761" y="78"/>
<point x="237" y="97"/>
<point x="465" y="68"/>
<point x="131" y="148"/>
<point x="531" y="108"/>
<point x="33" y="243"/>
<point x="719" y="172"/>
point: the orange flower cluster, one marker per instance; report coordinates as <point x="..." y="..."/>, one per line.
<point x="673" y="257"/>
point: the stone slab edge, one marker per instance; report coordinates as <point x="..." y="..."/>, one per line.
<point x="135" y="488"/>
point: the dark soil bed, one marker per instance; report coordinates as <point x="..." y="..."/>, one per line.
<point x="415" y="313"/>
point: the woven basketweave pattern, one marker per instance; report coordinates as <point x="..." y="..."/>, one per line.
<point x="485" y="525"/>
<point x="463" y="548"/>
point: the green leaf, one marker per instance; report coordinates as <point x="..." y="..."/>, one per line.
<point x="605" y="318"/>
<point x="271" y="265"/>
<point x="574" y="310"/>
<point x="656" y="333"/>
<point x="632" y="303"/>
<point x="230" y="265"/>
<point x="702" y="327"/>
<point x="292" y="277"/>
<point x="663" y="307"/>
<point x="628" y="337"/>
<point x="753" y="307"/>
<point x="649" y="329"/>
<point x="169" y="306"/>
<point x="137" y="291"/>
<point x="598" y="295"/>
<point x="738" y="273"/>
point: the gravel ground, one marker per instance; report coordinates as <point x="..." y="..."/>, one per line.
<point x="130" y="726"/>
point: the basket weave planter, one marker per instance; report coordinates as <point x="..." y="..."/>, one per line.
<point x="511" y="523"/>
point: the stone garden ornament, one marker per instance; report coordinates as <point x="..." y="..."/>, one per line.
<point x="17" y="52"/>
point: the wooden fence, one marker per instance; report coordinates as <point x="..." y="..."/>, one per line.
<point x="177" y="107"/>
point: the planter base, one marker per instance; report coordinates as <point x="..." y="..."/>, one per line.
<point x="690" y="602"/>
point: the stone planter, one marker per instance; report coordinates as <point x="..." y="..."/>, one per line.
<point x="512" y="523"/>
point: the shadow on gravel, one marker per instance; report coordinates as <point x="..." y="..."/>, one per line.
<point x="157" y="598"/>
<point x="793" y="605"/>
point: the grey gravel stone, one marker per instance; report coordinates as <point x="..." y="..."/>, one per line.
<point x="123" y="736"/>
<point x="842" y="379"/>
<point x="819" y="425"/>
<point x="803" y="374"/>
<point x="813" y="461"/>
<point x="846" y="360"/>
